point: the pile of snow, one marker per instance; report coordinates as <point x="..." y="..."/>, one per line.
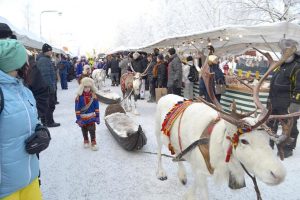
<point x="108" y="94"/>
<point x="122" y="124"/>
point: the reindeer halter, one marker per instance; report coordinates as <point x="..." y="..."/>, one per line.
<point x="235" y="141"/>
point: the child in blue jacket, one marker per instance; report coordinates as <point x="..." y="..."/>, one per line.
<point x="87" y="111"/>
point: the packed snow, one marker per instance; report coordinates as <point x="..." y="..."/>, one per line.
<point x="70" y="172"/>
<point x="122" y="124"/>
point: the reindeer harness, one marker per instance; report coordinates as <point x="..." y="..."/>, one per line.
<point x="203" y="143"/>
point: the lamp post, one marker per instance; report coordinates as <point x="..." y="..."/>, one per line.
<point x="47" y="11"/>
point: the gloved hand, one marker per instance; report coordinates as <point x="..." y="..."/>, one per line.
<point x="79" y="122"/>
<point x="97" y="120"/>
<point x="294" y="107"/>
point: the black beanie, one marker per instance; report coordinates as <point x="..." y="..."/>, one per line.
<point x="46" y="47"/>
<point x="160" y="57"/>
<point x="5" y="31"/>
<point x="189" y="58"/>
<point x="172" y="51"/>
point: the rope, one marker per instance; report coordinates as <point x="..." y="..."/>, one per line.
<point x="127" y="96"/>
<point x="254" y="183"/>
<point x="153" y="153"/>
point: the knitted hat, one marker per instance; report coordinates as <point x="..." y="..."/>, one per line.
<point x="46" y="47"/>
<point x="12" y="55"/>
<point x="5" y="31"/>
<point x="172" y="51"/>
<point x="86" y="82"/>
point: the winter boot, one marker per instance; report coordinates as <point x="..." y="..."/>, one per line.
<point x="86" y="144"/>
<point x="94" y="146"/>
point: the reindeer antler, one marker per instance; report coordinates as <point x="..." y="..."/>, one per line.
<point x="132" y="68"/>
<point x="208" y="81"/>
<point x="145" y="72"/>
<point x="289" y="52"/>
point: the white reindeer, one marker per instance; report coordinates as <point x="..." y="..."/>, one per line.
<point x="99" y="78"/>
<point x="252" y="150"/>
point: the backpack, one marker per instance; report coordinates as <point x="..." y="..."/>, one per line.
<point x="193" y="74"/>
<point x="1" y="100"/>
<point x="155" y="71"/>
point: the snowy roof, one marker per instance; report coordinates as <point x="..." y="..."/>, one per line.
<point x="27" y="38"/>
<point x="232" y="39"/>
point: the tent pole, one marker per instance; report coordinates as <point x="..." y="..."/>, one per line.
<point x="269" y="46"/>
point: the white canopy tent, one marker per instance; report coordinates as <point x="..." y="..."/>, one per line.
<point x="28" y="39"/>
<point x="231" y="39"/>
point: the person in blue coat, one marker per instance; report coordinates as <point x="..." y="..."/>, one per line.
<point x="19" y="170"/>
<point x="63" y="67"/>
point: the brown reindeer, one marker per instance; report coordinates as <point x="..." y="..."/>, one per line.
<point x="131" y="83"/>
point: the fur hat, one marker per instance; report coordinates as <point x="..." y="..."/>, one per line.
<point x="286" y="43"/>
<point x="46" y="47"/>
<point x="136" y="55"/>
<point x="212" y="59"/>
<point x="85" y="68"/>
<point x="86" y="82"/>
<point x="12" y="55"/>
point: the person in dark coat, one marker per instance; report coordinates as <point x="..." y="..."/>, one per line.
<point x="80" y="65"/>
<point x="284" y="93"/>
<point x="46" y="68"/>
<point x="151" y="79"/>
<point x="114" y="73"/>
<point x="35" y="82"/>
<point x="161" y="72"/>
<point x="219" y="78"/>
<point x="63" y="67"/>
<point x="174" y="73"/>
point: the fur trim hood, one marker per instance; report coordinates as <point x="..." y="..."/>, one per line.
<point x="88" y="82"/>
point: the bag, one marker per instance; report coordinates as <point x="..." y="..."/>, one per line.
<point x="160" y="92"/>
<point x="193" y="74"/>
<point x="39" y="141"/>
<point x="220" y="88"/>
<point x="1" y="100"/>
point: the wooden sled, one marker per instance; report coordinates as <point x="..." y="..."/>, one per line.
<point x="126" y="132"/>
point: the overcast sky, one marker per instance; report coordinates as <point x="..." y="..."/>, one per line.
<point x="87" y="24"/>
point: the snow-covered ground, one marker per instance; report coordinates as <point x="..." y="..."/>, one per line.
<point x="70" y="172"/>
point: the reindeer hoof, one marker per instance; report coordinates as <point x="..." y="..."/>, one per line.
<point x="163" y="178"/>
<point x="184" y="181"/>
<point x="161" y="175"/>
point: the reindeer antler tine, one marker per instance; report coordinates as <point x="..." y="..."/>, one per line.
<point x="286" y="55"/>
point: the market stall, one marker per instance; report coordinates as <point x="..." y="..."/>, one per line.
<point x="229" y="41"/>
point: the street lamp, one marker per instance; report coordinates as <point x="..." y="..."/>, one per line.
<point x="47" y="11"/>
